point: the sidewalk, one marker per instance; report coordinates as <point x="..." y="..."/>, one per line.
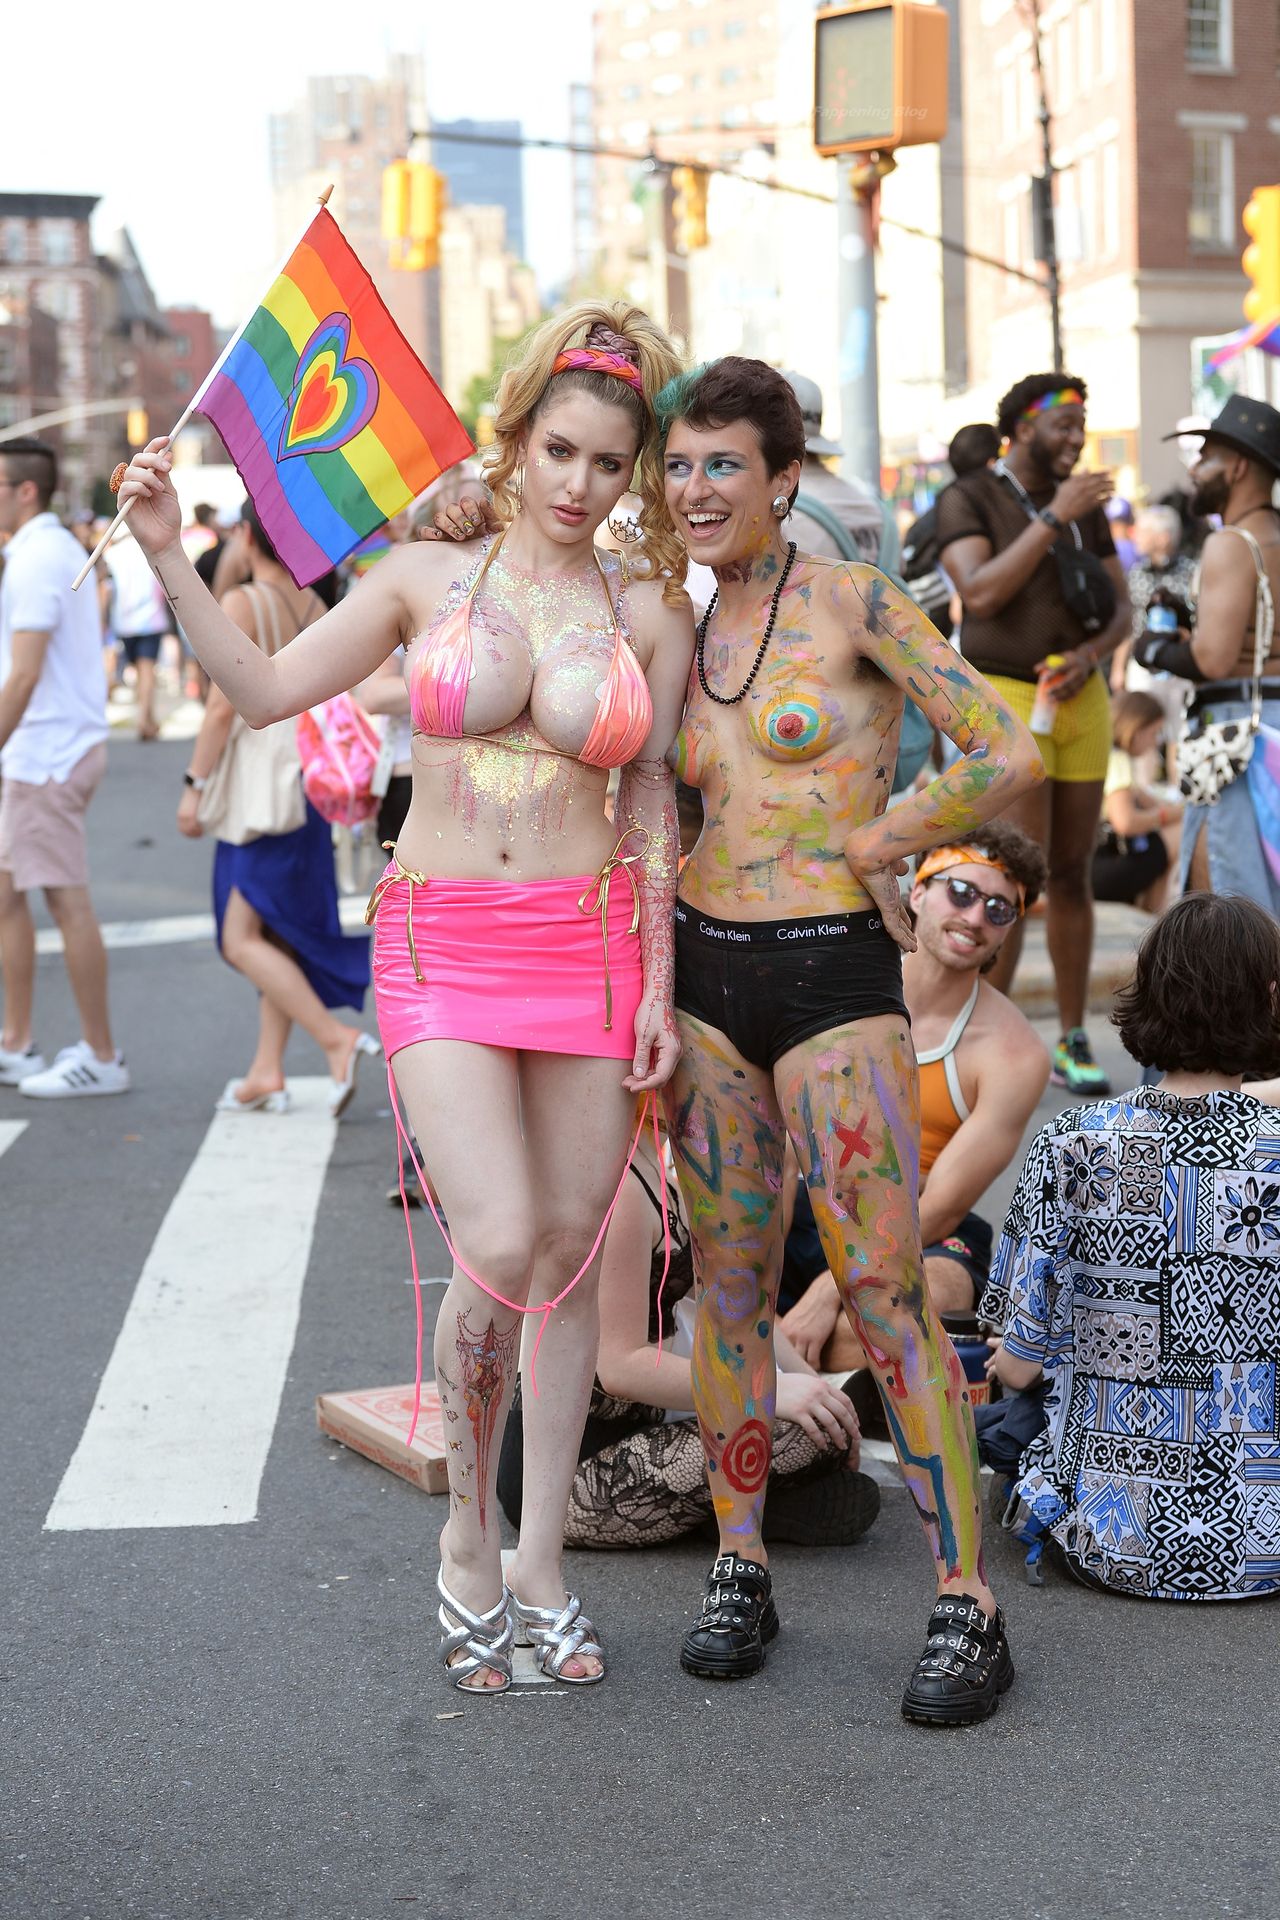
<point x="1117" y="931"/>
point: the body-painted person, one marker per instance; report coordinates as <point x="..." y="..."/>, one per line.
<point x="789" y="998"/>
<point x="522" y="956"/>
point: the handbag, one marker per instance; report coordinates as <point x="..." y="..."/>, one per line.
<point x="256" y="788"/>
<point x="1087" y="588"/>
<point x="1213" y="753"/>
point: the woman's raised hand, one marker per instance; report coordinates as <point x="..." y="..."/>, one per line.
<point x="882" y="884"/>
<point x="155" y="518"/>
<point x="463" y="519"/>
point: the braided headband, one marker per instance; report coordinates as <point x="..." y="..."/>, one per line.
<point x="943" y="858"/>
<point x="598" y="360"/>
<point x="1064" y="397"/>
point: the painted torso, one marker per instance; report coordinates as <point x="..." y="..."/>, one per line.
<point x="787" y="773"/>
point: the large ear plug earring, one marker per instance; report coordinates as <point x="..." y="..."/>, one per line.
<point x="781" y="505"/>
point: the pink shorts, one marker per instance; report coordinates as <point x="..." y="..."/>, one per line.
<point x="42" y="837"/>
<point x="520" y="964"/>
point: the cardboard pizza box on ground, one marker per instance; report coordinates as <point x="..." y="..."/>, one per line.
<point x="375" y="1421"/>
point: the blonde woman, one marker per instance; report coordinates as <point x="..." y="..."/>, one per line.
<point x="523" y="946"/>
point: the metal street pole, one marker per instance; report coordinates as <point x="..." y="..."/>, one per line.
<point x="856" y="308"/>
<point x="1048" y="238"/>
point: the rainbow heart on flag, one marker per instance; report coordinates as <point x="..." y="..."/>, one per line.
<point x="334" y="394"/>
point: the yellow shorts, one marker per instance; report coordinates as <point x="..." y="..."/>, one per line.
<point x="1080" y="744"/>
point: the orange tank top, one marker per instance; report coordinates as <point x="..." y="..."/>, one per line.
<point x="943" y="1108"/>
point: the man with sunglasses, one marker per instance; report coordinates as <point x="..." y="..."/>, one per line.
<point x="983" y="1069"/>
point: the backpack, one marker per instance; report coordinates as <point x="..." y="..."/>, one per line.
<point x="339" y="746"/>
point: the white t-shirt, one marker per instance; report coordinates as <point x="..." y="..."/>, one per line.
<point x="67" y="713"/>
<point x="139" y="605"/>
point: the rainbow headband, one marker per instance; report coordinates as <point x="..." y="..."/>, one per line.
<point x="598" y="360"/>
<point x="944" y="858"/>
<point x="1064" y="397"/>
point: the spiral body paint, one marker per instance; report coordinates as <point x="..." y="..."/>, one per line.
<point x="795" y="781"/>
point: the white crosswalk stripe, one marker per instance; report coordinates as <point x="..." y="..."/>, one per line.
<point x="9" y="1132"/>
<point x="183" y="1421"/>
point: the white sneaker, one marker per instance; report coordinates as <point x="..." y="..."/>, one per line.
<point x="77" y="1070"/>
<point x="15" y="1067"/>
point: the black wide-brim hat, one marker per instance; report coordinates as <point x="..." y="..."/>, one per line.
<point x="1250" y="426"/>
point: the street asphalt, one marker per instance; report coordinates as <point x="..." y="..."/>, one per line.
<point x="244" y="1722"/>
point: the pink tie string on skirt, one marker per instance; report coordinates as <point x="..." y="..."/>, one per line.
<point x="547" y="1307"/>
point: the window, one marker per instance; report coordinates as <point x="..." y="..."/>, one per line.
<point x="734" y="29"/>
<point x="58" y="242"/>
<point x="1009" y="104"/>
<point x="668" y="83"/>
<point x="1208" y="33"/>
<point x="1210" y="219"/>
<point x="15" y="239"/>
<point x="1109" y="221"/>
<point x="697" y="36"/>
<point x="182" y="345"/>
<point x="60" y="298"/>
<point x="1106" y="39"/>
<point x="731" y="76"/>
<point x="1013" y="217"/>
<point x="1088" y="174"/>
<point x="1066" y="74"/>
<point x="1084" y="57"/>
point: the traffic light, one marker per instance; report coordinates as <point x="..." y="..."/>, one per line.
<point x="689" y="208"/>
<point x="1261" y="258"/>
<point x="880" y="76"/>
<point x="413" y="203"/>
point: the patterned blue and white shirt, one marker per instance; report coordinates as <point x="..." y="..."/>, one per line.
<point x="1140" y="1265"/>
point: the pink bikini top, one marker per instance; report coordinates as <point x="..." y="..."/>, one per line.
<point x="441" y="673"/>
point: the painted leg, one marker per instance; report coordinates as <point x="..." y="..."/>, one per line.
<point x="850" y="1101"/>
<point x="728" y="1141"/>
<point x="474" y="1148"/>
<point x="578" y="1121"/>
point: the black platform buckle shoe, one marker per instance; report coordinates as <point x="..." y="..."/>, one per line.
<point x="736" y="1624"/>
<point x="965" y="1667"/>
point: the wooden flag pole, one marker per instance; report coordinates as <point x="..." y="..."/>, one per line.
<point x="194" y="402"/>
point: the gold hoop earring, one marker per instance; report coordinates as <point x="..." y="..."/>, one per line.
<point x="781" y="506"/>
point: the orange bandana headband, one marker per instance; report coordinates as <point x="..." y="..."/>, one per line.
<point x="941" y="859"/>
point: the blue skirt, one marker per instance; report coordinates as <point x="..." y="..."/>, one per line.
<point x="288" y="880"/>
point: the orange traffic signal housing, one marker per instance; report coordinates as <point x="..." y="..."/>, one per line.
<point x="880" y="76"/>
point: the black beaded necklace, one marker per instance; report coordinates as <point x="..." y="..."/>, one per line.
<point x="731" y="700"/>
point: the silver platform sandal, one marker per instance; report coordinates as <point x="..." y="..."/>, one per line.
<point x="484" y="1639"/>
<point x="558" y="1634"/>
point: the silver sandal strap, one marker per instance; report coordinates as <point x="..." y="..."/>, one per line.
<point x="484" y="1639"/>
<point x="558" y="1634"/>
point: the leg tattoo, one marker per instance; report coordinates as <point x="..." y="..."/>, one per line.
<point x="488" y="1361"/>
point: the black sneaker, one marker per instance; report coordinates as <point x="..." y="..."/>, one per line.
<point x="737" y="1622"/>
<point x="965" y="1667"/>
<point x="832" y="1511"/>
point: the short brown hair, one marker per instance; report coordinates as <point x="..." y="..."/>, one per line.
<point x="34" y="460"/>
<point x="735" y="388"/>
<point x="1130" y="713"/>
<point x="1016" y="852"/>
<point x="1203" y="998"/>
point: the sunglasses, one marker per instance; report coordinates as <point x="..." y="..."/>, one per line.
<point x="962" y="894"/>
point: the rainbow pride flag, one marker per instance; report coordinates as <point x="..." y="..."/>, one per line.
<point x="331" y="419"/>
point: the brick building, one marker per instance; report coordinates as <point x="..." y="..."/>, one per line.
<point x="1164" y="118"/>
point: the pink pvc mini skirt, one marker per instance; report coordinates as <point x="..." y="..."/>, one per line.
<point x="548" y="966"/>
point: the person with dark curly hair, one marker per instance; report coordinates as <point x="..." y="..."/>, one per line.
<point x="1139" y="1272"/>
<point x="1028" y="547"/>
<point x="982" y="1067"/>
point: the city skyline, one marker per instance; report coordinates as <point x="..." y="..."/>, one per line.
<point x="205" y="234"/>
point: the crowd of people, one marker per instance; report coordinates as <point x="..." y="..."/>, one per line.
<point x="652" y="1337"/>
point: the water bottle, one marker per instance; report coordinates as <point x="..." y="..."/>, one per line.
<point x="1044" y="712"/>
<point x="1162" y="615"/>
